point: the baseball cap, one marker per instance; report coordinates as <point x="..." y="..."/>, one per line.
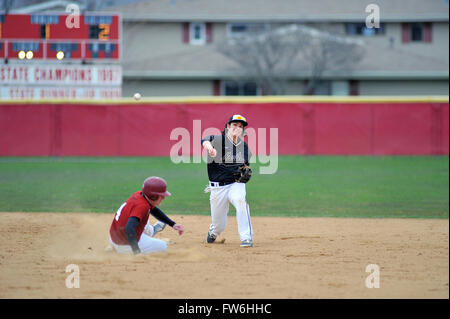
<point x="238" y="118"/>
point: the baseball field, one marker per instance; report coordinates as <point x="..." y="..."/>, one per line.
<point x="321" y="224"/>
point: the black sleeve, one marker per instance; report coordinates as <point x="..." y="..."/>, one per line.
<point x="207" y="138"/>
<point x="130" y="231"/>
<point x="159" y="215"/>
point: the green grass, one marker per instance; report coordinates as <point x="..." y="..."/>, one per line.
<point x="316" y="186"/>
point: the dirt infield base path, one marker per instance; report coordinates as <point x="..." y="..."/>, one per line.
<point x="291" y="258"/>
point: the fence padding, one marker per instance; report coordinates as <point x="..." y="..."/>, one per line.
<point x="304" y="128"/>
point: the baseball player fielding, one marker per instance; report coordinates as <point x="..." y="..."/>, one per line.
<point x="228" y="171"/>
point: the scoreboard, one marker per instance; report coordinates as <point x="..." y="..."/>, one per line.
<point x="95" y="37"/>
<point x="34" y="49"/>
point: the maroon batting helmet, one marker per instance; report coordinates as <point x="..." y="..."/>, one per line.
<point x="155" y="186"/>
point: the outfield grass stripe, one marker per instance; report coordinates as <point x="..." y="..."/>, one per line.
<point x="303" y="186"/>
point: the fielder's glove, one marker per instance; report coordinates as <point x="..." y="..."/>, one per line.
<point x="243" y="174"/>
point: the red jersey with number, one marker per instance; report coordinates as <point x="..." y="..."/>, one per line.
<point x="136" y="206"/>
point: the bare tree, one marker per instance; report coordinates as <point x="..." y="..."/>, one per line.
<point x="328" y="52"/>
<point x="271" y="58"/>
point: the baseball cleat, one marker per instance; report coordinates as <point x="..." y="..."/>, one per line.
<point x="210" y="238"/>
<point x="157" y="227"/>
<point x="246" y="243"/>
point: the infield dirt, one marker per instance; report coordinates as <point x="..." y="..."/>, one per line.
<point x="291" y="258"/>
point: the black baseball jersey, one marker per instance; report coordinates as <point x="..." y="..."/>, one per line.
<point x="229" y="157"/>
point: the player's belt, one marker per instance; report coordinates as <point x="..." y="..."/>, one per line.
<point x="217" y="184"/>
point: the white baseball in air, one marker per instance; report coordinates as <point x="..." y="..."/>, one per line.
<point x="137" y="96"/>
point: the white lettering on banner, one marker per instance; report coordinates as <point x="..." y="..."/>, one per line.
<point x="57" y="75"/>
<point x="33" y="92"/>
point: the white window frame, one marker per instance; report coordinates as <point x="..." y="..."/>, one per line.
<point x="202" y="39"/>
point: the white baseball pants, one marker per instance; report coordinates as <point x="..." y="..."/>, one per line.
<point x="147" y="244"/>
<point x="220" y="199"/>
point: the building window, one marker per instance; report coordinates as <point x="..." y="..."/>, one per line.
<point x="239" y="88"/>
<point x="340" y="88"/>
<point x="417" y="32"/>
<point x="197" y="32"/>
<point x="353" y="87"/>
<point x="361" y="29"/>
<point x="235" y="30"/>
<point x="322" y="88"/>
<point x="344" y="88"/>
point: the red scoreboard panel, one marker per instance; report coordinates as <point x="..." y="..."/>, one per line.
<point x="94" y="37"/>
